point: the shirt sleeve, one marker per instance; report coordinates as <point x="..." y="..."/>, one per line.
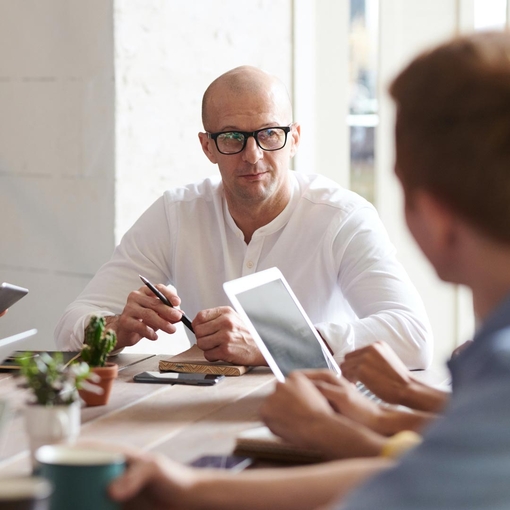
<point x="379" y="291"/>
<point x="107" y="292"/>
<point x="464" y="461"/>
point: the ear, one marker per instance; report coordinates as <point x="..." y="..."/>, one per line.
<point x="295" y="134"/>
<point x="434" y="227"/>
<point x="208" y="147"/>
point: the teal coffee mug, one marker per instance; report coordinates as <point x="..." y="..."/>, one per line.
<point x="80" y="476"/>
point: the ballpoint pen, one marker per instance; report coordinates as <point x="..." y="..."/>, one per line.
<point x="185" y="319"/>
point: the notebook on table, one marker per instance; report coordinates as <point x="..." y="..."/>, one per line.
<point x="261" y="443"/>
<point x="193" y="360"/>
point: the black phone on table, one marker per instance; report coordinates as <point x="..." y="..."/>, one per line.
<point x="178" y="378"/>
<point x="230" y="462"/>
<point x="9" y="294"/>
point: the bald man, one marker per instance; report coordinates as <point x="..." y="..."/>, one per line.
<point x="328" y="242"/>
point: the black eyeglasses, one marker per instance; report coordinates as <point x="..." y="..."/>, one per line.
<point x="268" y="139"/>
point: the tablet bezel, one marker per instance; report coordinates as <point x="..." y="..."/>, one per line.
<point x="248" y="282"/>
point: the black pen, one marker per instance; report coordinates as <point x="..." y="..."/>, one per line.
<point x="162" y="297"/>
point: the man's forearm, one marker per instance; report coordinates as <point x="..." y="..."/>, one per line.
<point x="293" y="488"/>
<point x="335" y="440"/>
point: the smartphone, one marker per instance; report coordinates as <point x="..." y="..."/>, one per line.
<point x="178" y="378"/>
<point x="231" y="462"/>
<point x="9" y="294"/>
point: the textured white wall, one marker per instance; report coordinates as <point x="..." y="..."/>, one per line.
<point x="166" y="54"/>
<point x="56" y="153"/>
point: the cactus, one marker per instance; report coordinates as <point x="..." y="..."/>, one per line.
<point x="98" y="342"/>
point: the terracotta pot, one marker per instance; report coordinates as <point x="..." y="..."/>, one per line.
<point x="107" y="375"/>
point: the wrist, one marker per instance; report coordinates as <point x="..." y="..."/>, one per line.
<point x="338" y="437"/>
<point x="398" y="444"/>
<point x="423" y="397"/>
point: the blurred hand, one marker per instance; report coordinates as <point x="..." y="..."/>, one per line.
<point x="293" y="408"/>
<point x="151" y="482"/>
<point x="379" y="369"/>
<point x="143" y="315"/>
<point x="4" y="312"/>
<point x="222" y="335"/>
<point x="344" y="398"/>
<point x="299" y="413"/>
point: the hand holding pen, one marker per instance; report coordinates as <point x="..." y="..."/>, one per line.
<point x="185" y="319"/>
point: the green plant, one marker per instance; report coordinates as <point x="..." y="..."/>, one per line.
<point x="98" y="343"/>
<point x="52" y="381"/>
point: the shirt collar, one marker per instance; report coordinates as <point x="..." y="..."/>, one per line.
<point x="279" y="222"/>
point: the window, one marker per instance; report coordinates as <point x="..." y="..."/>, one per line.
<point x="363" y="107"/>
<point x="490" y="14"/>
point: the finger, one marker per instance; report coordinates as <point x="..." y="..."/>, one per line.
<point x="152" y="312"/>
<point x="169" y="293"/>
<point x="211" y="314"/>
<point x="152" y="302"/>
<point x="138" y="474"/>
<point x="135" y="329"/>
<point x="321" y="375"/>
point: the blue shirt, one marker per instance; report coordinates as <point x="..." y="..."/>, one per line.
<point x="464" y="460"/>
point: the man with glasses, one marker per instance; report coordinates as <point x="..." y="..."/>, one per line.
<point x="328" y="242"/>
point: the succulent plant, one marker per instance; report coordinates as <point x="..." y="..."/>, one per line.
<point x="98" y="343"/>
<point x="52" y="381"/>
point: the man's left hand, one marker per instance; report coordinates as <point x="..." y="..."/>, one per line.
<point x="222" y="335"/>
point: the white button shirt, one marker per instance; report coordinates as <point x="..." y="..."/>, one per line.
<point x="328" y="242"/>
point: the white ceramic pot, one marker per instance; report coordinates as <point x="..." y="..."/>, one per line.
<point x="50" y="425"/>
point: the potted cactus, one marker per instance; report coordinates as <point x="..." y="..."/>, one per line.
<point x="98" y="344"/>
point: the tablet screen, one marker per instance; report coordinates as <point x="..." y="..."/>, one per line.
<point x="282" y="327"/>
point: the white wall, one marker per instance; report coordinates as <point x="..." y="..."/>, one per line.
<point x="166" y="54"/>
<point x="56" y="154"/>
<point x="407" y="28"/>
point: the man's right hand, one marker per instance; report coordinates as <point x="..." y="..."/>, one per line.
<point x="143" y="315"/>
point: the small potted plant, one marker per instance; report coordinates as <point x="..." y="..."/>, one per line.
<point x="53" y="413"/>
<point x="98" y="344"/>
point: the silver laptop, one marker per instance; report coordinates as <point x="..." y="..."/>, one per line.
<point x="14" y="343"/>
<point x="282" y="330"/>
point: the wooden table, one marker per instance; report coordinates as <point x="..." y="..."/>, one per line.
<point x="182" y="422"/>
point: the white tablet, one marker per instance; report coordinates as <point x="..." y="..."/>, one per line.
<point x="282" y="330"/>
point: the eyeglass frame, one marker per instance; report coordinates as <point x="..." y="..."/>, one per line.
<point x="248" y="134"/>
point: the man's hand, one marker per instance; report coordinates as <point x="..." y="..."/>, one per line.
<point x="143" y="315"/>
<point x="380" y="370"/>
<point x="222" y="335"/>
<point x="4" y="312"/>
<point x="345" y="399"/>
<point x="300" y="414"/>
<point x="151" y="482"/>
<point x="294" y="408"/>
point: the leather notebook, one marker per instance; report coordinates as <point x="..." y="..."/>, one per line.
<point x="193" y="360"/>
